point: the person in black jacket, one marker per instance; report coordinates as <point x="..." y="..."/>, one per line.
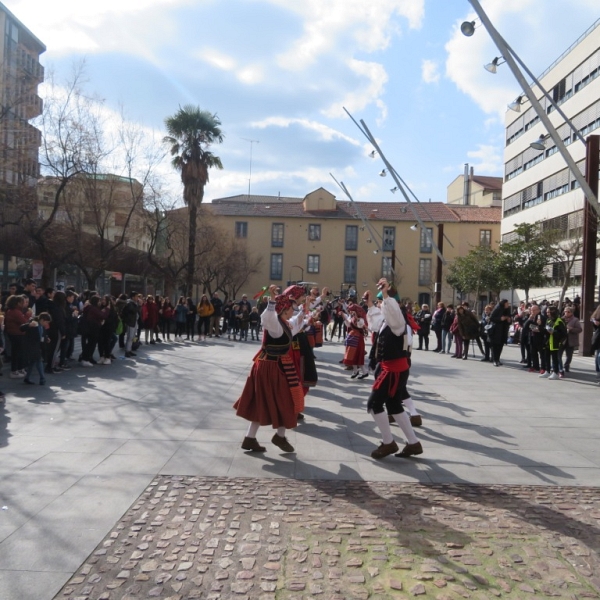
<point x="36" y="339"/>
<point x="423" y="319"/>
<point x="56" y="308"/>
<point x="498" y="336"/>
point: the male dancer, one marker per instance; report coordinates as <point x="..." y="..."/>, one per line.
<point x="389" y="389"/>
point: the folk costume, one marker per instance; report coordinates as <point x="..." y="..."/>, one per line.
<point x="273" y="394"/>
<point x="301" y="348"/>
<point x="354" y="355"/>
<point x="389" y="390"/>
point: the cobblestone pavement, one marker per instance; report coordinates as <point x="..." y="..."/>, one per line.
<point x="219" y="538"/>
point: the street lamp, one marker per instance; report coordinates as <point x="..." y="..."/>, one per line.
<point x="301" y="272"/>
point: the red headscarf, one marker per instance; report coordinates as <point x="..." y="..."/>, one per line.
<point x="356" y="308"/>
<point x="282" y="302"/>
<point x="295" y="291"/>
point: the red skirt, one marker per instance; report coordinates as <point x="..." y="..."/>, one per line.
<point x="267" y="397"/>
<point x="355" y="349"/>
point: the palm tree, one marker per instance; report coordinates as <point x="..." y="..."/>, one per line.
<point x="191" y="131"/>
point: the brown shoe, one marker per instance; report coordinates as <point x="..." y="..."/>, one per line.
<point x="384" y="450"/>
<point x="281" y="442"/>
<point x="410" y="450"/>
<point x="300" y="417"/>
<point x="416" y="421"/>
<point x="251" y="444"/>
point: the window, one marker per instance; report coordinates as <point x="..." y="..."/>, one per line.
<point x="276" y="267"/>
<point x="485" y="237"/>
<point x="277" y="235"/>
<point x="425" y="271"/>
<point x="314" y="263"/>
<point x="426" y="236"/>
<point x="314" y="232"/>
<point x="389" y="238"/>
<point x="241" y="229"/>
<point x="386" y="267"/>
<point x="351" y="238"/>
<point x="350" y="265"/>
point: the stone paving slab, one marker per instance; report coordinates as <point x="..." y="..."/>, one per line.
<point x="218" y="538"/>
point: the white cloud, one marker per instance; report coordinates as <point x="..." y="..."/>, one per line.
<point x="369" y="24"/>
<point x="325" y="132"/>
<point x="430" y="71"/>
<point x="216" y="59"/>
<point x="531" y="28"/>
<point x="374" y="77"/>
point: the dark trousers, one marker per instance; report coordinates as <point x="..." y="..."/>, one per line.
<point x="497" y="352"/>
<point x="423" y="339"/>
<point x="552" y="360"/>
<point x="17" y="352"/>
<point x="568" y="351"/>
<point x="89" y="345"/>
<point x="438" y="338"/>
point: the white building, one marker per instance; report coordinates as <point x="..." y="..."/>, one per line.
<point x="538" y="186"/>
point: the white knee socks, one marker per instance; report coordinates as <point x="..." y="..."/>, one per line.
<point x="403" y="421"/>
<point x="410" y="406"/>
<point x="381" y="420"/>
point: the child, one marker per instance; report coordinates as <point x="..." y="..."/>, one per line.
<point x="36" y="335"/>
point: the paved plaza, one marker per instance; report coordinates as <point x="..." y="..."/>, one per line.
<point x="128" y="481"/>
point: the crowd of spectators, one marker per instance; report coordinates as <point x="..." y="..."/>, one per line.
<point x="38" y="328"/>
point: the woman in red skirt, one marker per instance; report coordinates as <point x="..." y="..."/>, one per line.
<point x="354" y="356"/>
<point x="273" y="393"/>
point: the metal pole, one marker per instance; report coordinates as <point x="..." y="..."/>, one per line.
<point x="507" y="54"/>
<point x="438" y="271"/>
<point x="590" y="234"/>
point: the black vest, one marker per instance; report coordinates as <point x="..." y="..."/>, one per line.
<point x="390" y="346"/>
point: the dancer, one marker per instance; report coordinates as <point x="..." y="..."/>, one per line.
<point x="273" y="394"/>
<point x="354" y="356"/>
<point x="389" y="388"/>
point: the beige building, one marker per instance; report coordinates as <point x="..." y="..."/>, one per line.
<point x="109" y="206"/>
<point x="345" y="245"/>
<point x="469" y="189"/>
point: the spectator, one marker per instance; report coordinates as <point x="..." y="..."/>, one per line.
<point x="423" y="319"/>
<point x="93" y="317"/>
<point x="484" y="325"/>
<point x="71" y="317"/>
<point x="150" y="319"/>
<point x="572" y="341"/>
<point x="244" y="302"/>
<point x="57" y="331"/>
<point x="16" y="315"/>
<point x="436" y="325"/>
<point x="557" y="335"/>
<point x="205" y="311"/>
<point x="165" y="316"/>
<point x="447" y="335"/>
<point x="36" y="338"/>
<point x="498" y="335"/>
<point x="254" y="320"/>
<point x="181" y="311"/>
<point x="108" y="331"/>
<point x="215" y="319"/>
<point x="468" y="328"/>
<point x="129" y="316"/>
<point x="190" y="320"/>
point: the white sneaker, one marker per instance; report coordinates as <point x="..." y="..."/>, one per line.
<point x="553" y="376"/>
<point x="544" y="375"/>
<point x="85" y="363"/>
<point x="16" y="375"/>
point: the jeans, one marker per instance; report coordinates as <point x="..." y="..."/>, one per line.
<point x="39" y="365"/>
<point x="129" y="339"/>
<point x="446" y="335"/>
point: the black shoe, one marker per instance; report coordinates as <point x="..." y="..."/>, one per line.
<point x="28" y="382"/>
<point x="485" y="360"/>
<point x="129" y="354"/>
<point x="64" y="367"/>
<point x="363" y="376"/>
<point x="567" y="368"/>
<point x="112" y="357"/>
<point x="49" y="371"/>
<point x="153" y="342"/>
<point x="354" y="375"/>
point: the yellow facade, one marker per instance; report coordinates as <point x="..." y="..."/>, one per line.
<point x="313" y="239"/>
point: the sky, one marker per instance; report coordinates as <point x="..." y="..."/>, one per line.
<point x="279" y="73"/>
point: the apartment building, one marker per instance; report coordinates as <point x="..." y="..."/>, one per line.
<point x="470" y="189"/>
<point x="538" y="186"/>
<point x="20" y="75"/>
<point x="350" y="245"/>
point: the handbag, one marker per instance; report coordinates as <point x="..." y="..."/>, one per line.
<point x="119" y="329"/>
<point x="596" y="340"/>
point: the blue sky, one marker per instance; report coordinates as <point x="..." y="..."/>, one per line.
<point x="280" y="71"/>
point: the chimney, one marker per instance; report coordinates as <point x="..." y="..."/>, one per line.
<point x="467" y="184"/>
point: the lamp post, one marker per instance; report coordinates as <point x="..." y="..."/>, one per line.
<point x="301" y="272"/>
